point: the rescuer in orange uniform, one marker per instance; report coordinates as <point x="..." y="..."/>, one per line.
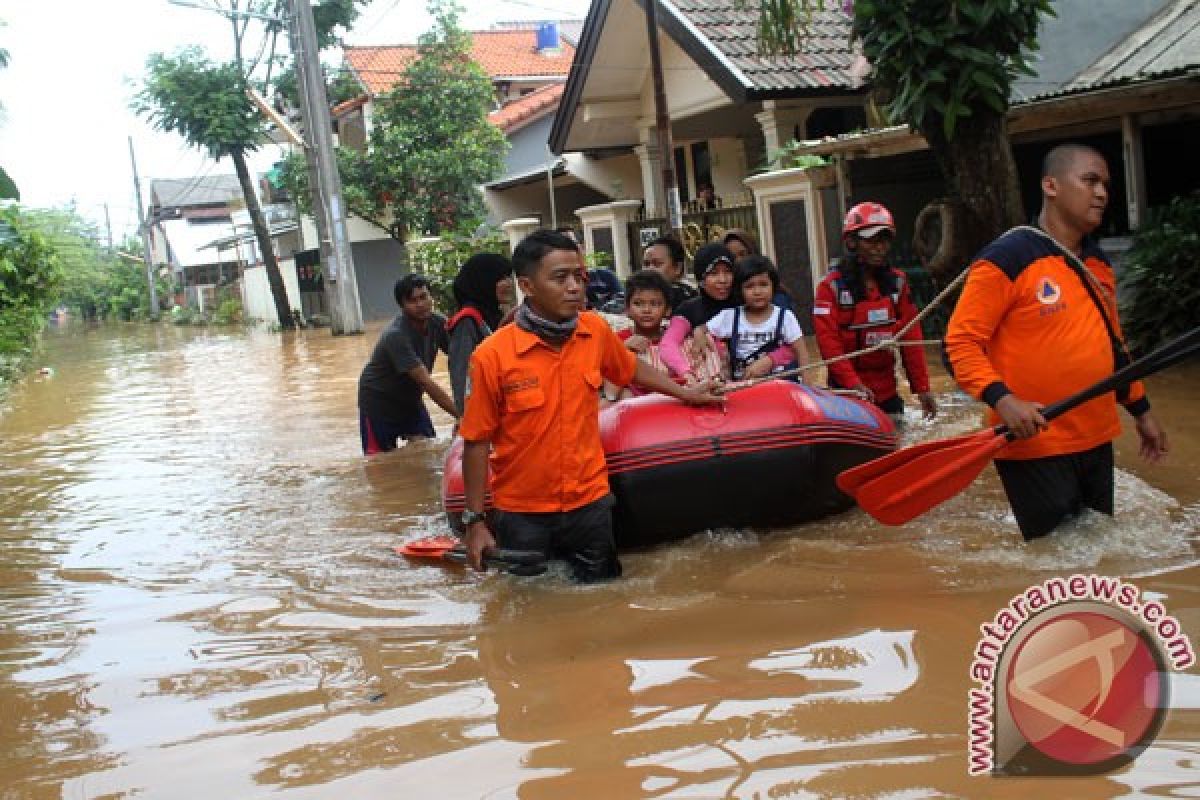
<point x="533" y="396"/>
<point x="1032" y="328"/>
<point x="863" y="302"/>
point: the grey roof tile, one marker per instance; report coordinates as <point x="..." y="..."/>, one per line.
<point x="825" y="62"/>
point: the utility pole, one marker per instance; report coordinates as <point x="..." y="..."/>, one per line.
<point x="144" y="231"/>
<point x="108" y="227"/>
<point x="666" y="150"/>
<point x="314" y="105"/>
<point x="320" y="217"/>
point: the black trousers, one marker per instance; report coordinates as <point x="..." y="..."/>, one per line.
<point x="1044" y="492"/>
<point x="583" y="537"/>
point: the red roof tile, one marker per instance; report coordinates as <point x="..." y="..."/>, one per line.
<point x="503" y="55"/>
<point x="346" y="106"/>
<point x="528" y="108"/>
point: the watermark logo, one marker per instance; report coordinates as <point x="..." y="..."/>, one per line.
<point x="1072" y="678"/>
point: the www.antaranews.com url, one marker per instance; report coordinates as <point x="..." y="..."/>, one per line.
<point x="997" y="633"/>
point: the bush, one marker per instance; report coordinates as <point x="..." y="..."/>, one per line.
<point x="439" y="260"/>
<point x="1160" y="281"/>
<point x="30" y="276"/>
<point x="229" y="309"/>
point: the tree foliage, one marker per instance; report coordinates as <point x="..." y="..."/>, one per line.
<point x="202" y="101"/>
<point x="430" y="146"/>
<point x="1159" y="277"/>
<point x="30" y="276"/>
<point x="941" y="62"/>
<point x="8" y="189"/>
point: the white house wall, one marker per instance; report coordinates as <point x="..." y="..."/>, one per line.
<point x="689" y="91"/>
<point x="257" y="300"/>
<point x="729" y="168"/>
<point x="619" y="177"/>
<point x="186" y="239"/>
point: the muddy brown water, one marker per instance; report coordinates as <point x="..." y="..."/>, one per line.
<point x="198" y="599"/>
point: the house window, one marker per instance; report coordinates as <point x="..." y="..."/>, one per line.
<point x="681" y="174"/>
<point x="701" y="165"/>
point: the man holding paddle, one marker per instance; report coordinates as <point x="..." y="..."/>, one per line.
<point x="1038" y="320"/>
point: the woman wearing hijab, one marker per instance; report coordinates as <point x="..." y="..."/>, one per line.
<point x="713" y="268"/>
<point x="482" y="283"/>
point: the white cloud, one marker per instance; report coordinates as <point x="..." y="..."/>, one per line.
<point x="75" y="64"/>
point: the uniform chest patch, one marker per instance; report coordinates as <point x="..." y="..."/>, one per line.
<point x="1048" y="292"/>
<point x="520" y="384"/>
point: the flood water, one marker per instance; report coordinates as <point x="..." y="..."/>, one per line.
<point x="198" y="599"/>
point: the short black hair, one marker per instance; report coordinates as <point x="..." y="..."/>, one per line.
<point x="533" y="248"/>
<point x="1062" y="156"/>
<point x="674" y="250"/>
<point x="407" y="285"/>
<point x="647" y="280"/>
<point x="748" y="267"/>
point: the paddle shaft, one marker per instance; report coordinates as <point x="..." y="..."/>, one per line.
<point x="909" y="489"/>
<point x="1170" y="353"/>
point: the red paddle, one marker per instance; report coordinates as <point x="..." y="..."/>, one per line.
<point x="451" y="550"/>
<point x="850" y="480"/>
<point x="922" y="477"/>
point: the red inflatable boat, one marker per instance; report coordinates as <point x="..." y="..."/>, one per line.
<point x="769" y="459"/>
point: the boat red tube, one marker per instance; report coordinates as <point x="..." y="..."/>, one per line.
<point x="769" y="458"/>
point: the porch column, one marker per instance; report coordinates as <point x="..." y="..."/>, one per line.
<point x="518" y="229"/>
<point x="790" y="213"/>
<point x="651" y="167"/>
<point x="1135" y="170"/>
<point x="779" y="124"/>
<point x="606" y="229"/>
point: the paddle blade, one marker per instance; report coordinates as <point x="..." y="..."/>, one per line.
<point x="429" y="547"/>
<point x="927" y="481"/>
<point x="851" y="480"/>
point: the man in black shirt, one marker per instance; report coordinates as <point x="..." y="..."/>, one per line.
<point x="397" y="375"/>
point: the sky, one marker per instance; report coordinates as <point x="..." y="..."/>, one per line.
<point x="74" y="65"/>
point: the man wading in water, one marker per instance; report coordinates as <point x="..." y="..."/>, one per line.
<point x="533" y="397"/>
<point x="1037" y="321"/>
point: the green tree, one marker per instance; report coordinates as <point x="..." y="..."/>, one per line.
<point x="947" y="70"/>
<point x="8" y="189"/>
<point x="1159" y="277"/>
<point x="30" y="276"/>
<point x="206" y="104"/>
<point x="430" y="145"/>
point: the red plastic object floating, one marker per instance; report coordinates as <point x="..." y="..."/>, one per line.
<point x="431" y="546"/>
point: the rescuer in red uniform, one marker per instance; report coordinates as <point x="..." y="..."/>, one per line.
<point x="861" y="303"/>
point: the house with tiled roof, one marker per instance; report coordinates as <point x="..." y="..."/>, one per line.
<point x="528" y="64"/>
<point x="731" y="112"/>
<point x="1122" y="75"/>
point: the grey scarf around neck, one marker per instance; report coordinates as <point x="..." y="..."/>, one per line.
<point x="549" y="331"/>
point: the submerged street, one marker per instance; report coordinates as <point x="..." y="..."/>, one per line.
<point x="200" y="600"/>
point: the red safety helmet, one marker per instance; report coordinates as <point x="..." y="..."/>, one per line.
<point x="867" y="220"/>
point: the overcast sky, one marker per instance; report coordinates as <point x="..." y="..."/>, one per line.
<point x="74" y="65"/>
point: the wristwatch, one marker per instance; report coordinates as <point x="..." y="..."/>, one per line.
<point x="471" y="517"/>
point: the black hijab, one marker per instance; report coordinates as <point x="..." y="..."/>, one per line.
<point x="700" y="310"/>
<point x="475" y="285"/>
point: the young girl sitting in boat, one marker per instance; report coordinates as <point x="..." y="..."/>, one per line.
<point x="647" y="303"/>
<point x="757" y="328"/>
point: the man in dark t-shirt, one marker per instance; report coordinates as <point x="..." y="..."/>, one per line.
<point x="398" y="373"/>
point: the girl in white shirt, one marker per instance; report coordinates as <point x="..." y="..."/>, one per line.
<point x="758" y="326"/>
